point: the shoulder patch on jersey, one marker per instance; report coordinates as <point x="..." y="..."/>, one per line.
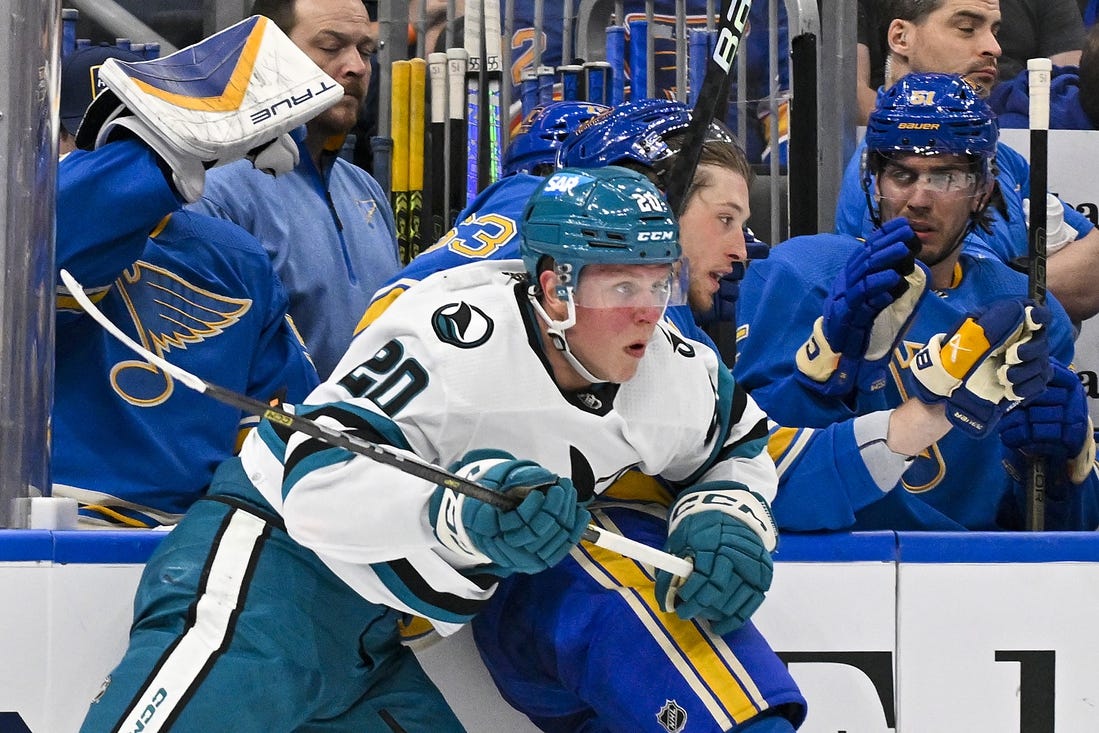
<point x="462" y="325"/>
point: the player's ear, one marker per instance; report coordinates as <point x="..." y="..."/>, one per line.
<point x="547" y="283"/>
<point x="899" y="36"/>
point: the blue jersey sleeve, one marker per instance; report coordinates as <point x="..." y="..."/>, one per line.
<point x="108" y="201"/>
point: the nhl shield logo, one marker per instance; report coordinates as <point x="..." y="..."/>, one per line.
<point x="672" y="717"/>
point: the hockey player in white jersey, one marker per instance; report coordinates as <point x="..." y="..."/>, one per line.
<point x="546" y="373"/>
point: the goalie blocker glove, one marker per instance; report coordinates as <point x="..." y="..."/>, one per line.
<point x="729" y="534"/>
<point x="236" y="94"/>
<point x="869" y="308"/>
<point x="534" y="536"/>
<point x="996" y="358"/>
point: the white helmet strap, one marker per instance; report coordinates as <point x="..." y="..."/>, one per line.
<point x="556" y="331"/>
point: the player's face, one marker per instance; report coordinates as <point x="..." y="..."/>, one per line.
<point x="937" y="194"/>
<point x="711" y="231"/>
<point x="958" y="38"/>
<point x="339" y="37"/>
<point x="612" y="331"/>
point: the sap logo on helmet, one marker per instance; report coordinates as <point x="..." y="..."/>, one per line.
<point x="564" y="183"/>
<point x="655" y="236"/>
<point x="918" y="126"/>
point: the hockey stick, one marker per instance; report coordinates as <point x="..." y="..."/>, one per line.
<point x="491" y="150"/>
<point x="417" y="112"/>
<point x="457" y="60"/>
<point x="380" y="453"/>
<point x="1038" y="73"/>
<point x="398" y="131"/>
<point x="729" y="32"/>
<point x="474" y="27"/>
<point x="436" y="201"/>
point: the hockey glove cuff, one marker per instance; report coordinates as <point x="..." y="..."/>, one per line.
<point x="729" y="534"/>
<point x="533" y="536"/>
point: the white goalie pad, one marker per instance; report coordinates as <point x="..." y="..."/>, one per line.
<point x="215" y="101"/>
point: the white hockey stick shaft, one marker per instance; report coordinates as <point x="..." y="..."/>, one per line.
<point x="378" y="452"/>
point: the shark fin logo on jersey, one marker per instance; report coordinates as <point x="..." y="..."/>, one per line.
<point x="672" y="717"/>
<point x="186" y="315"/>
<point x="461" y="325"/>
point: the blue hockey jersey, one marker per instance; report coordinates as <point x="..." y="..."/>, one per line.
<point x="824" y="484"/>
<point x="133" y="446"/>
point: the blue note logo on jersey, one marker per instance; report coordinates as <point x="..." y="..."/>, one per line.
<point x="672" y="717"/>
<point x="461" y="325"/>
<point x="168" y="313"/>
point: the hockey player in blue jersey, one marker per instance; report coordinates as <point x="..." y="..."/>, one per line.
<point x="194" y="289"/>
<point x="904" y="392"/>
<point x="488" y="227"/>
<point x="299" y="562"/>
<point x="958" y="36"/>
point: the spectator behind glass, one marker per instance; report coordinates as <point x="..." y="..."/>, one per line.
<point x="327" y="224"/>
<point x="80" y="85"/>
<point x="1031" y="29"/>
<point x="1073" y="104"/>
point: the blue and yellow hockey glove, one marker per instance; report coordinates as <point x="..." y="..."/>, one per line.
<point x="869" y="308"/>
<point x="535" y="535"/>
<point x="728" y="533"/>
<point x="995" y="358"/>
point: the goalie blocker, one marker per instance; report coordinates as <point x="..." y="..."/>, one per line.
<point x="236" y="94"/>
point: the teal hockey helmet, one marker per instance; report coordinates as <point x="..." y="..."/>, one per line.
<point x="598" y="216"/>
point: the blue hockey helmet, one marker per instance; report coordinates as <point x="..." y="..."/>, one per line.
<point x="607" y="215"/>
<point x="541" y="133"/>
<point x="932" y="114"/>
<point x="635" y="132"/>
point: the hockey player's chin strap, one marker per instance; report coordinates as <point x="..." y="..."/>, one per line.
<point x="556" y="331"/>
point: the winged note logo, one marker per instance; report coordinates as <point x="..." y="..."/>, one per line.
<point x="168" y="313"/>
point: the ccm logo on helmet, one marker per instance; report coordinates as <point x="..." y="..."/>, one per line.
<point x="655" y="236"/>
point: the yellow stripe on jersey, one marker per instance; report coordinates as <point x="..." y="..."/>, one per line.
<point x="707" y="664"/>
<point x="375" y="309"/>
<point x="636" y="486"/>
<point x="784" y="445"/>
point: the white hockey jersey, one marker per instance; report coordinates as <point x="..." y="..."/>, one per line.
<point x="456" y="364"/>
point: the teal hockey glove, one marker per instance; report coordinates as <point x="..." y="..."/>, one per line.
<point x="236" y="94"/>
<point x="729" y="534"/>
<point x="869" y="308"/>
<point x="997" y="357"/>
<point x="533" y="536"/>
